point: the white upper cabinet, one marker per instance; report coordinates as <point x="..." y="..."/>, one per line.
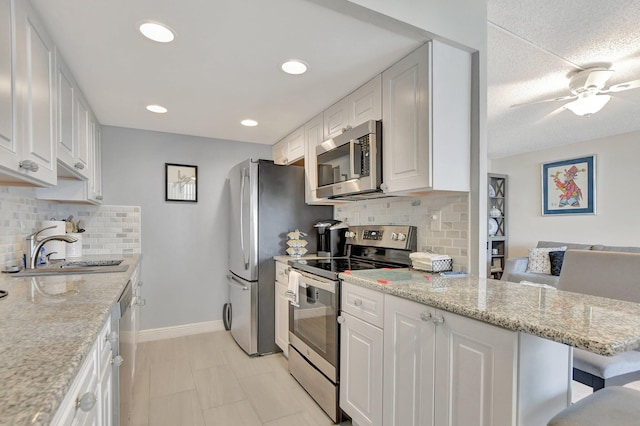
<point x="72" y="132"/>
<point x="37" y="98"/>
<point x="290" y="149"/>
<point x="362" y="105"/>
<point x="27" y="98"/>
<point x="426" y="121"/>
<point x="95" y="179"/>
<point x="9" y="155"/>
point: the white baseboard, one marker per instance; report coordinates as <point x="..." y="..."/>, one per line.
<point x="179" y="330"/>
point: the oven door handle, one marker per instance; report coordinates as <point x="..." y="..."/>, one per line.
<point x="306" y="282"/>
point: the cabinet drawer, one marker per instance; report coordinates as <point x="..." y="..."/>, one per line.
<point x="281" y="275"/>
<point x="363" y="303"/>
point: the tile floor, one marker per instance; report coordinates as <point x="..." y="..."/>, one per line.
<point x="207" y="380"/>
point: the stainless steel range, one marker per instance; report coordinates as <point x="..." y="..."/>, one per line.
<point x="313" y="327"/>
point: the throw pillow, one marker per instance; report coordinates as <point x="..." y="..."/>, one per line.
<point x="556" y="258"/>
<point x="539" y="259"/>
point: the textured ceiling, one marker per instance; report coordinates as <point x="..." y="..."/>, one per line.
<point x="534" y="46"/>
<point x="223" y="66"/>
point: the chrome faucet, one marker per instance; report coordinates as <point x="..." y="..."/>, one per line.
<point x="35" y="245"/>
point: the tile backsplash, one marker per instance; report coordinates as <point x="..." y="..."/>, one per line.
<point x="442" y="220"/>
<point x="109" y="229"/>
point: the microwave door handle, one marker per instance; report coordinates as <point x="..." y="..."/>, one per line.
<point x="352" y="159"/>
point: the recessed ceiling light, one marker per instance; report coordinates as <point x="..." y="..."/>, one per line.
<point x="157" y="32"/>
<point x="159" y="109"/>
<point x="295" y="66"/>
<point x="249" y="123"/>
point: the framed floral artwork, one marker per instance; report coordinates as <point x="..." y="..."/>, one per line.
<point x="568" y="186"/>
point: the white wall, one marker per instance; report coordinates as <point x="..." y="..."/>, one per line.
<point x="184" y="244"/>
<point x="617" y="174"/>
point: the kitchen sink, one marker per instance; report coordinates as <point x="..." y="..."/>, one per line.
<point x="75" y="267"/>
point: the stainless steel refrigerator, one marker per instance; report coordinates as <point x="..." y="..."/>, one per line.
<point x="266" y="202"/>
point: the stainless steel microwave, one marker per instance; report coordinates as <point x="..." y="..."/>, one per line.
<point x="350" y="164"/>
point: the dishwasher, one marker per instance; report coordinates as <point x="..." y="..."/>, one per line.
<point x="124" y="355"/>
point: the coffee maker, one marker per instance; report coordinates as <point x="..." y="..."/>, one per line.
<point x="331" y="238"/>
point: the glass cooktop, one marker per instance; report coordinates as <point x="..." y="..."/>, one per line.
<point x="331" y="267"/>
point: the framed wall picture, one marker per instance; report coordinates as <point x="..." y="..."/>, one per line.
<point x="568" y="186"/>
<point x="181" y="182"/>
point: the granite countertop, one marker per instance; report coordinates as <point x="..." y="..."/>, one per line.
<point x="599" y="325"/>
<point x="44" y="339"/>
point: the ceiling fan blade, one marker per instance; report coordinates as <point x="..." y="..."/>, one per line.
<point x="634" y="84"/>
<point x="598" y="78"/>
<point x="561" y="98"/>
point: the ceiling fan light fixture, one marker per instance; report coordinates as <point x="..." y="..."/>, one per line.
<point x="588" y="103"/>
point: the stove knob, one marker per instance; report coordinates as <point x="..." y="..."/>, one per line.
<point x="401" y="237"/>
<point x="394" y="236"/>
<point x="350" y="234"/>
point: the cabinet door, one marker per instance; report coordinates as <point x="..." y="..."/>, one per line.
<point x="37" y="99"/>
<point x="476" y="378"/>
<point x="279" y="152"/>
<point x="361" y="371"/>
<point x="295" y="145"/>
<point x="406" y="123"/>
<point x="409" y="357"/>
<point x="66" y="135"/>
<point x="366" y="102"/>
<point x="95" y="152"/>
<point x="9" y="156"/>
<point x="282" y="318"/>
<point x="83" y="134"/>
<point x="335" y="118"/>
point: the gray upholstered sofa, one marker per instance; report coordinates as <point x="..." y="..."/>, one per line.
<point x="516" y="268"/>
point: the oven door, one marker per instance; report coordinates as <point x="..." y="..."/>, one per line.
<point x="313" y="326"/>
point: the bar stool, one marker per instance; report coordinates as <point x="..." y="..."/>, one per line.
<point x="611" y="406"/>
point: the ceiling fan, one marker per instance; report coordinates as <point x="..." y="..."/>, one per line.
<point x="587" y="88"/>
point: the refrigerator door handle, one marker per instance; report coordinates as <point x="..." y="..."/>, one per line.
<point x="245" y="259"/>
<point x="233" y="280"/>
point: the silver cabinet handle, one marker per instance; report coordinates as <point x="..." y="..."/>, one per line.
<point x="99" y="197"/>
<point x="426" y="316"/>
<point x="28" y="165"/>
<point x="438" y="320"/>
<point x="86" y="402"/>
<point x="357" y="302"/>
<point x="340" y="319"/>
<point x="117" y="361"/>
<point x="79" y="165"/>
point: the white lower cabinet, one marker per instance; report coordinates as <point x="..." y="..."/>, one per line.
<point x="361" y="346"/>
<point x="442" y="369"/>
<point x="409" y="337"/>
<point x="89" y="401"/>
<point x="282" y="308"/>
<point x="445" y="369"/>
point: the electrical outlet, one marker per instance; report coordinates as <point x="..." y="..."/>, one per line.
<point x="436" y="221"/>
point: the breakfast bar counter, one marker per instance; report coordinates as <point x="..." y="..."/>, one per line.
<point x="599" y="325"/>
<point x="49" y="324"/>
